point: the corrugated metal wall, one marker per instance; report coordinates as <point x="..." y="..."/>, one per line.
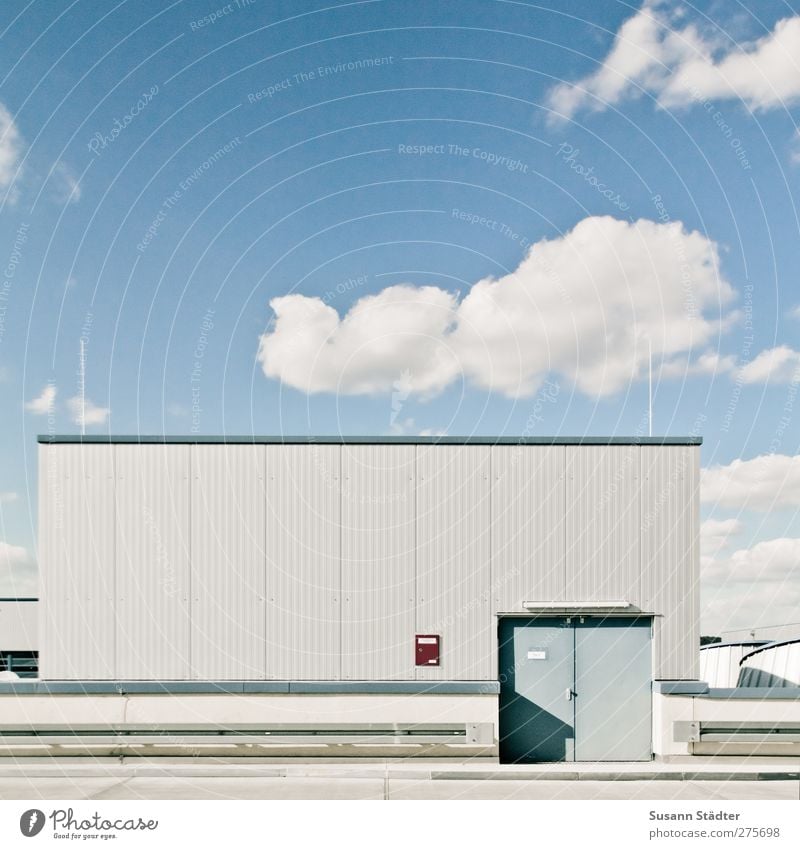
<point x="378" y="563"/>
<point x="321" y="562"/>
<point x="453" y="572"/>
<point x="228" y="579"/>
<point x="153" y="584"/>
<point x="776" y="665"/>
<point x="76" y="558"/>
<point x="719" y="664"/>
<point x="669" y="559"/>
<point x="303" y="562"/>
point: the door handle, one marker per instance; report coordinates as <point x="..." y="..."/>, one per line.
<point x="569" y="694"/>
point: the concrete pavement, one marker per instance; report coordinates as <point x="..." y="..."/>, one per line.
<point x="156" y="778"/>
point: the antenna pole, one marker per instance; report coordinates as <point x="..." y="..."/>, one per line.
<point x="650" y="384"/>
<point x="83" y="388"/>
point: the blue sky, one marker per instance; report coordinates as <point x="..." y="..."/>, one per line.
<point x="458" y="207"/>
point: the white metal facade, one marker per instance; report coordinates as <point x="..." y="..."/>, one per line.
<point x="774" y="665"/>
<point x="719" y="662"/>
<point x="322" y="561"/>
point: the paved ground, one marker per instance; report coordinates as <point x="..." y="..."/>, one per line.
<point x="371" y="788"/>
<point x="139" y="779"/>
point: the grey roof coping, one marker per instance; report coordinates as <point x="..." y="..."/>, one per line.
<point x="254" y="439"/>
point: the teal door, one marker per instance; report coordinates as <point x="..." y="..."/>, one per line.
<point x="575" y="689"/>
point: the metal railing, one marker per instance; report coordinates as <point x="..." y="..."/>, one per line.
<point x="192" y="736"/>
<point x="735" y="732"/>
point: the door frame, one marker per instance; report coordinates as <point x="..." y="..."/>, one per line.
<point x="567" y="617"/>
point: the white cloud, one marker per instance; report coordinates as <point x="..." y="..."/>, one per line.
<point x="17" y="571"/>
<point x="794" y="154"/>
<point x="762" y="483"/>
<point x="401" y="329"/>
<point x="794" y="312"/>
<point x="67" y="186"/>
<point x="8" y="497"/>
<point x="43" y="404"/>
<point x="775" y="365"/>
<point x="709" y="362"/>
<point x="405" y="427"/>
<point x="581" y="305"/>
<point x="753" y="586"/>
<point x="654" y="51"/>
<point x="715" y="534"/>
<point x="86" y="412"/>
<point x="10" y="147"/>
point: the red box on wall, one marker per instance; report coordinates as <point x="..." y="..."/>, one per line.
<point x="426" y="650"/>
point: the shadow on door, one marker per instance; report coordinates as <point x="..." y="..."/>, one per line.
<point x="575" y="689"/>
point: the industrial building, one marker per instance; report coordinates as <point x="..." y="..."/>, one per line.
<point x="719" y="662"/>
<point x="532" y="588"/>
<point x="775" y="664"/>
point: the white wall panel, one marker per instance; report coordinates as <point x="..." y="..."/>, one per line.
<point x="453" y="559"/>
<point x="378" y="536"/>
<point x="76" y="560"/>
<point x="153" y="585"/>
<point x="313" y="561"/>
<point x="602" y="522"/>
<point x="528" y="533"/>
<point x="228" y="562"/>
<point x="303" y="548"/>
<point x="670" y="558"/>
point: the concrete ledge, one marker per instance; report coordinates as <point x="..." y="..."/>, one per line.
<point x="168" y="688"/>
<point x="700" y="688"/>
<point x="591" y="775"/>
<point x="403" y="770"/>
<point x="680" y="688"/>
<point x="759" y="693"/>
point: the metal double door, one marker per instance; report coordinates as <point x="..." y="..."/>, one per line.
<point x="575" y="689"/>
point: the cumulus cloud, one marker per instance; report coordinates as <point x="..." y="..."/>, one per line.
<point x="775" y="365"/>
<point x="656" y="52"/>
<point x="84" y="411"/>
<point x="67" y="186"/>
<point x="753" y="586"/>
<point x="709" y="362"/>
<point x="10" y="147"/>
<point x="715" y="534"/>
<point x="44" y="402"/>
<point x="582" y="305"/>
<point x="762" y="483"/>
<point x="17" y="571"/>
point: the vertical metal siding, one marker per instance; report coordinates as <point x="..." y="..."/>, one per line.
<point x="228" y="562"/>
<point x="774" y="666"/>
<point x="153" y="561"/>
<point x="453" y="551"/>
<point x="303" y="561"/>
<point x="76" y="561"/>
<point x="419" y="539"/>
<point x="378" y="561"/>
<point x="602" y="522"/>
<point x="670" y="558"/>
<point x="719" y="665"/>
<point x="528" y="535"/>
